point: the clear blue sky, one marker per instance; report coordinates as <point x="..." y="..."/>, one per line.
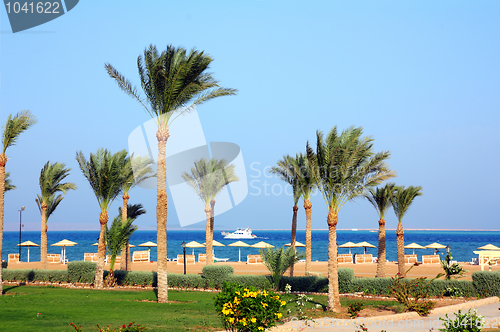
<point x="421" y="77"/>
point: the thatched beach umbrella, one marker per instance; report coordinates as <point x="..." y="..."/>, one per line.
<point x="297" y="244"/>
<point x="365" y="245"/>
<point x="194" y="244"/>
<point x="28" y="244"/>
<point x="414" y="246"/>
<point x="262" y="245"/>
<point x="436" y="246"/>
<point x="239" y="244"/>
<point x="349" y="245"/>
<point x="489" y="247"/>
<point x="63" y="244"/>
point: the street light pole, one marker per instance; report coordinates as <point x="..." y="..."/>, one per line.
<point x="20" y="225"/>
<point x="183" y="245"/>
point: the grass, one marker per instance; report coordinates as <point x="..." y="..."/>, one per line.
<point x="58" y="307"/>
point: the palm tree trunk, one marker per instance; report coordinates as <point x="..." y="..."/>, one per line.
<point x="161" y="213"/>
<point x="294" y="233"/>
<point x="307" y="207"/>
<point x="101" y="251"/>
<point x="125" y="252"/>
<point x="212" y="218"/>
<point x="381" y="249"/>
<point x="333" y="276"/>
<point x="43" y="239"/>
<point x="3" y="161"/>
<point x="400" y="240"/>
<point x="208" y="240"/>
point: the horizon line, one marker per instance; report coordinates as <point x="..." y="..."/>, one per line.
<point x="298" y="229"/>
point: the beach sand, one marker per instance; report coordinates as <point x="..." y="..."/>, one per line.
<point x="360" y="270"/>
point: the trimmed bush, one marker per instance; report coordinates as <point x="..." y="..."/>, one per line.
<point x="216" y="274"/>
<point x="18" y="275"/>
<point x="486" y="283"/>
<point x="305" y="284"/>
<point x="375" y="286"/>
<point x="136" y="278"/>
<point x="187" y="280"/>
<point x="346" y="278"/>
<point x="257" y="281"/>
<point x="56" y="276"/>
<point x="452" y="287"/>
<point x="81" y="271"/>
<point x="5" y="264"/>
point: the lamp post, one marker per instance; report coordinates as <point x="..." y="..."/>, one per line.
<point x="183" y="245"/>
<point x="448" y="249"/>
<point x="20" y="225"/>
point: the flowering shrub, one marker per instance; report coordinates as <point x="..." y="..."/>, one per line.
<point x="469" y="321"/>
<point x="354" y="308"/>
<point x="248" y="309"/>
<point x="132" y="327"/>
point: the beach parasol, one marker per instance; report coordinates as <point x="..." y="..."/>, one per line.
<point x="261" y="245"/>
<point x="436" y="246"/>
<point x="239" y="244"/>
<point x="486" y="247"/>
<point x="349" y="245"/>
<point x="148" y="244"/>
<point x="365" y="245"/>
<point x="28" y="244"/>
<point x="194" y="244"/>
<point x="297" y="244"/>
<point x="414" y="246"/>
<point x="63" y="244"/>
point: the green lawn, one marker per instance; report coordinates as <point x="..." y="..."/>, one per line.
<point x="59" y="306"/>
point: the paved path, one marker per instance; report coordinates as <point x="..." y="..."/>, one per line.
<point x="407" y="322"/>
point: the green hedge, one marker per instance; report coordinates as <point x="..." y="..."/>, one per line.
<point x="56" y="276"/>
<point x="305" y="284"/>
<point x="82" y="272"/>
<point x="216" y="274"/>
<point x="18" y="275"/>
<point x="5" y="264"/>
<point x="376" y="286"/>
<point x="486" y="283"/>
<point x="257" y="281"/>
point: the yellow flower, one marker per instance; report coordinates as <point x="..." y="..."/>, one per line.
<point x="278" y="314"/>
<point x="261" y="328"/>
<point x="236" y="300"/>
<point x="264" y="304"/>
<point x="244" y="323"/>
<point x="230" y="320"/>
<point x="253" y="319"/>
<point x="237" y="293"/>
<point x="264" y="293"/>
<point x="283" y="302"/>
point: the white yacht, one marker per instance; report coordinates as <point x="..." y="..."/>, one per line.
<point x="240" y="233"/>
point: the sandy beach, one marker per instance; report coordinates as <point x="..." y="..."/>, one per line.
<point x="360" y="270"/>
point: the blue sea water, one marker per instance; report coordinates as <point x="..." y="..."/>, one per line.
<point x="462" y="243"/>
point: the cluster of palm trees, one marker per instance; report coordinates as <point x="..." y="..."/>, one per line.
<point x="343" y="167"/>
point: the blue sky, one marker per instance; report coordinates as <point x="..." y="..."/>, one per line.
<point x="421" y="77"/>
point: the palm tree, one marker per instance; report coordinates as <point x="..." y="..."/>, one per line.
<point x="8" y="183"/>
<point x="116" y="237"/>
<point x="14" y="127"/>
<point x="136" y="170"/>
<point x="307" y="185"/>
<point x="208" y="178"/>
<point x="380" y="198"/>
<point x="104" y="172"/>
<point x="278" y="261"/>
<point x="51" y="177"/>
<point x="287" y="171"/>
<point x="171" y="80"/>
<point x="343" y="166"/>
<point x="401" y="199"/>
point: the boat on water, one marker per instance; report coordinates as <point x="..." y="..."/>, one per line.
<point x="240" y="233"/>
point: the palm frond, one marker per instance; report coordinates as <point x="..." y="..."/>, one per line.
<point x="133" y="211"/>
<point x="402" y="198"/>
<point x="15" y="126"/>
<point x="8" y="183"/>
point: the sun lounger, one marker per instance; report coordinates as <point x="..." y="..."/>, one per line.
<point x="90" y="256"/>
<point x="254" y="259"/>
<point x="140" y="256"/>
<point x="344" y="258"/>
<point x="410" y="259"/>
<point x="54" y="258"/>
<point x="117" y="259"/>
<point x="190" y="259"/>
<point x="364" y="258"/>
<point x="202" y="258"/>
<point x="13" y="258"/>
<point x="430" y="259"/>
<point x="221" y="259"/>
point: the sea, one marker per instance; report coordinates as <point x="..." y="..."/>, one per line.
<point x="462" y="243"/>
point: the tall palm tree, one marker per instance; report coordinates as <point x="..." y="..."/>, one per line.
<point x="136" y="171"/>
<point x="401" y="199"/>
<point x="208" y="178"/>
<point x="8" y="183"/>
<point x="307" y="185"/>
<point x="171" y="81"/>
<point x="104" y="172"/>
<point x="51" y="177"/>
<point x="116" y="237"/>
<point x="380" y="198"/>
<point x="14" y="127"/>
<point x="287" y="171"/>
<point x="344" y="166"/>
